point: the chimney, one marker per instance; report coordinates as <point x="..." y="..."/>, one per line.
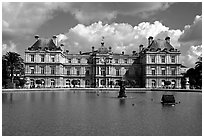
<point x="36" y="37"/>
<point x="92" y="49"/>
<point x="123" y="52"/>
<point x="80" y="52"/>
<point x="140" y="48"/>
<point x="54" y="38"/>
<point x="167" y="39"/>
<point x="110" y="48"/>
<point x="62" y="47"/>
<point x="150" y="40"/>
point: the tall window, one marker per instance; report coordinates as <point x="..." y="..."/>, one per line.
<point x="52" y="70"/>
<point x="163" y="71"/>
<point x="32" y="58"/>
<point x="173" y="71"/>
<point x="153" y="71"/>
<point x="173" y="59"/>
<point x="78" y="71"/>
<point x="68" y="71"/>
<point x="103" y="71"/>
<point x="42" y="70"/>
<point x="42" y="58"/>
<point x="163" y="59"/>
<point x="153" y="83"/>
<point x="117" y="72"/>
<point x="32" y="70"/>
<point x="32" y="82"/>
<point x="116" y="60"/>
<point x="52" y="58"/>
<point x="125" y="61"/>
<point x="153" y="59"/>
<point x="97" y="70"/>
<point x="107" y="70"/>
<point x="52" y="82"/>
<point x="79" y="60"/>
<point x="70" y="60"/>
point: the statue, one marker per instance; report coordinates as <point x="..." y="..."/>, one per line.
<point x="122" y="90"/>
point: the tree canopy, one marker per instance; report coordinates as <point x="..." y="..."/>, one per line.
<point x="12" y="68"/>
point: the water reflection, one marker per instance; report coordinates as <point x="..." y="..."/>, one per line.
<point x="81" y="113"/>
<point x="122" y="102"/>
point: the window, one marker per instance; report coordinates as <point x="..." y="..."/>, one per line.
<point x="116" y="60"/>
<point x="97" y="70"/>
<point x="173" y="71"/>
<point x="125" y="61"/>
<point x="68" y="71"/>
<point x="52" y="70"/>
<point x="163" y="71"/>
<point x="173" y="59"/>
<point x="79" y="60"/>
<point x="103" y="82"/>
<point x="42" y="58"/>
<point x="52" y="82"/>
<point x="32" y="70"/>
<point x="53" y="58"/>
<point x="78" y="71"/>
<point x="153" y="83"/>
<point x="153" y="59"/>
<point x="163" y="59"/>
<point x="32" y="82"/>
<point x="117" y="72"/>
<point x="70" y="60"/>
<point x="32" y="58"/>
<point x="107" y="70"/>
<point x="42" y="70"/>
<point x="103" y="71"/>
<point x="153" y="71"/>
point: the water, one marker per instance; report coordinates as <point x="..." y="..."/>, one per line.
<point x="82" y="113"/>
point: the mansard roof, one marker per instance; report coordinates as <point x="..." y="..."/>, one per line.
<point x="160" y="44"/>
<point x="44" y="44"/>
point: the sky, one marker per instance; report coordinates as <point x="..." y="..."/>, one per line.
<point x="124" y="25"/>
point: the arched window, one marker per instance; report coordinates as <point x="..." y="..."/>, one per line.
<point x="153" y="83"/>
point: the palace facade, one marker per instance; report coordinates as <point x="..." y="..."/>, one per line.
<point x="47" y="62"/>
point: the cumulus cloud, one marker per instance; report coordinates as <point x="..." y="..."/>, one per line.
<point x="120" y="36"/>
<point x="11" y="47"/>
<point x="193" y="33"/>
<point x="192" y="55"/>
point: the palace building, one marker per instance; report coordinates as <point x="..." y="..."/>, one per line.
<point x="47" y="62"/>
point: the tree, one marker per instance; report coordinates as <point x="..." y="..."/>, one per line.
<point x="12" y="66"/>
<point x="195" y="74"/>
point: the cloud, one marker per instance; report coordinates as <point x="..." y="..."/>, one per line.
<point x="20" y="19"/>
<point x="89" y="12"/>
<point x="192" y="55"/>
<point x="11" y="47"/>
<point x="120" y="36"/>
<point x="193" y="33"/>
